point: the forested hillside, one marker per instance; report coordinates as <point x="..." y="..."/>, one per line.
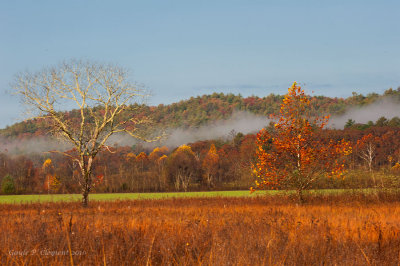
<point x="201" y="110"/>
<point x="213" y="164"/>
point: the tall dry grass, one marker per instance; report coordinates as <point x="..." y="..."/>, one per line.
<point x="327" y="230"/>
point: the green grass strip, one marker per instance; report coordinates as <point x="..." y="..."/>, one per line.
<point x="17" y="199"/>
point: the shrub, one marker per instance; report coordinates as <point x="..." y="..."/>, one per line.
<point x="7" y="185"/>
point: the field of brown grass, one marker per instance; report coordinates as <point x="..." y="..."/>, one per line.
<point x="326" y="230"/>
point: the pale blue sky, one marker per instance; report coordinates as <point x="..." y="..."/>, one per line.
<point x="187" y="48"/>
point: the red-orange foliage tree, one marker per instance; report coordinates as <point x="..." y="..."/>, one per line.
<point x="292" y="156"/>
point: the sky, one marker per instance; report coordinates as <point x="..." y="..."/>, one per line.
<point x="180" y="49"/>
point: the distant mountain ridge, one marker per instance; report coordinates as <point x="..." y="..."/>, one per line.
<point x="200" y="110"/>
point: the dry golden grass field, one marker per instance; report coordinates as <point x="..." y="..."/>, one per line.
<point x="327" y="230"/>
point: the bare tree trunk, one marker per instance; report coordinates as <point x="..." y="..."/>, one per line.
<point x="373" y="178"/>
<point x="178" y="181"/>
<point x="85" y="199"/>
<point x="86" y="189"/>
<point x="300" y="195"/>
<point x="86" y="180"/>
<point x="208" y="180"/>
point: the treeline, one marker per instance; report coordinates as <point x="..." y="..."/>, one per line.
<point x="200" y="110"/>
<point x="381" y="122"/>
<point x="204" y="165"/>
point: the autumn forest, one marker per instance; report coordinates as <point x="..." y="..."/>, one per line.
<point x="223" y="163"/>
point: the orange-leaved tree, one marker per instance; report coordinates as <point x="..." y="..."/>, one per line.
<point x="182" y="167"/>
<point x="210" y="166"/>
<point x="292" y="156"/>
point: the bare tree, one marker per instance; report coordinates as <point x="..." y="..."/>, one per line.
<point x="368" y="154"/>
<point x="102" y="95"/>
<point x="367" y="151"/>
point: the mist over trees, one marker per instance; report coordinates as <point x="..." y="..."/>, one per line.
<point x="140" y="169"/>
<point x="137" y="167"/>
<point x="205" y="110"/>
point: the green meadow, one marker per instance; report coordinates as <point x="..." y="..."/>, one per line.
<point x="18" y="199"/>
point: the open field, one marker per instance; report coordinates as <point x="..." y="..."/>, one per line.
<point x="342" y="229"/>
<point x="119" y="196"/>
<point x="17" y="199"/>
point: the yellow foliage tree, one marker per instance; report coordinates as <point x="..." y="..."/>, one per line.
<point x="182" y="167"/>
<point x="52" y="182"/>
<point x="157" y="153"/>
<point x="210" y="165"/>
